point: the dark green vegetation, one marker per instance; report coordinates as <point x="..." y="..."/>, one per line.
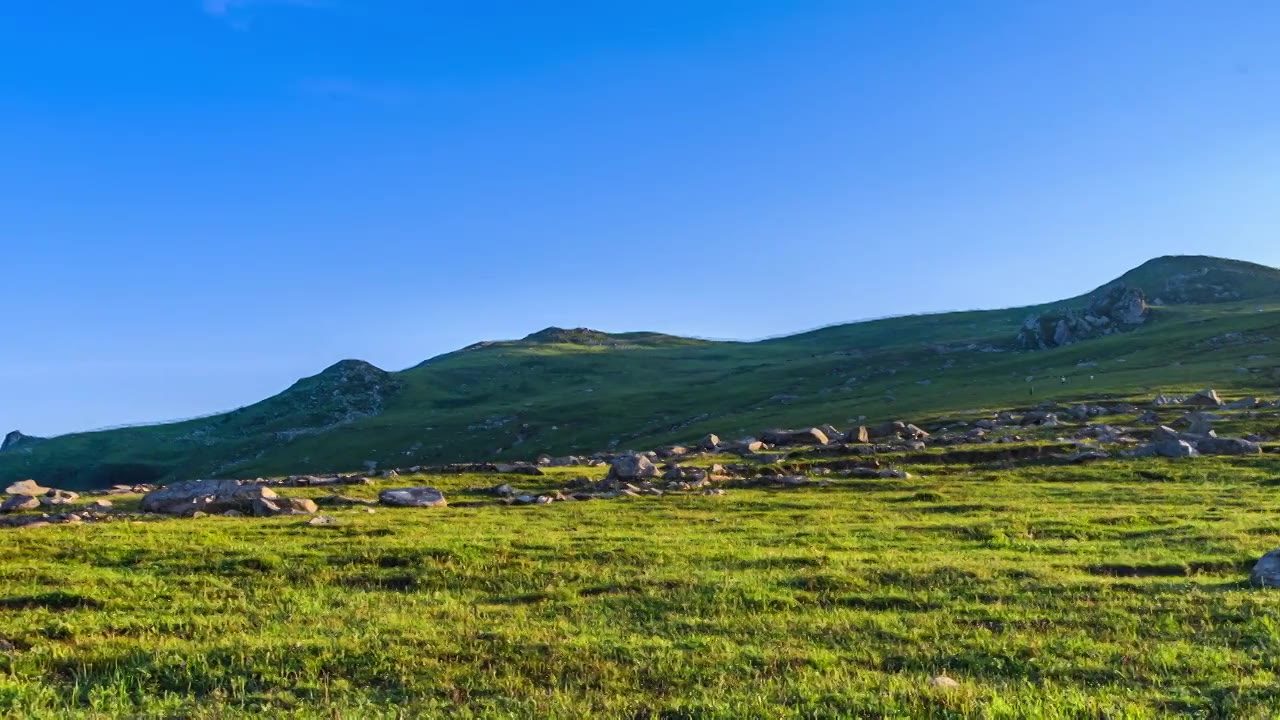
<point x="562" y="391"/>
<point x="1112" y="590"/>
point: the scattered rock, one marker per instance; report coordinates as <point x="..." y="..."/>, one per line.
<point x="943" y="682"/>
<point x="214" y="496"/>
<point x="413" y="497"/>
<point x="18" y="503"/>
<point x="631" y="467"/>
<point x="298" y="505"/>
<point x="26" y="487"/>
<point x="1266" y="572"/>
<point x="1204" y="398"/>
<point x="1174" y="448"/>
<point x="1227" y="446"/>
<point x="811" y="436"/>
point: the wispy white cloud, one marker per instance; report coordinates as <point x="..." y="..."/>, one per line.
<point x="341" y="88"/>
<point x="224" y="8"/>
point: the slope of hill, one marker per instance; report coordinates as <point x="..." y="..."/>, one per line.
<point x="557" y="391"/>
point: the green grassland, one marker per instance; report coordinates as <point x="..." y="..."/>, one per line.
<point x="1042" y="588"/>
<point x="1110" y="590"/>
<point x="565" y="392"/>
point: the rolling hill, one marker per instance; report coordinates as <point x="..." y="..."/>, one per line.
<point x="1174" y="323"/>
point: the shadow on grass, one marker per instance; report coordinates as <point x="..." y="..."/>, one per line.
<point x="57" y="600"/>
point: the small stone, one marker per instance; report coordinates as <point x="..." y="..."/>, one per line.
<point x="944" y="682"/>
<point x="322" y="520"/>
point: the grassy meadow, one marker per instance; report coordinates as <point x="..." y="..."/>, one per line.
<point x="1110" y="590"/>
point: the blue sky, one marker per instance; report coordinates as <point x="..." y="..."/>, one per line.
<point x="203" y="200"/>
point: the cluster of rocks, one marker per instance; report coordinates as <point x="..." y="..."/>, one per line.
<point x="776" y="457"/>
<point x="26" y="496"/>
<point x="1116" y="309"/>
<point x="196" y="498"/>
<point x="1167" y="442"/>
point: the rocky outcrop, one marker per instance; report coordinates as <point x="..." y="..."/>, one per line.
<point x="16" y="439"/>
<point x="219" y="496"/>
<point x="1114" y="310"/>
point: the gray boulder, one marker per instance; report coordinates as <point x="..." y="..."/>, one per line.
<point x="710" y="442"/>
<point x="1204" y="398"/>
<point x="413" y="497"/>
<point x="1227" y="446"/>
<point x="632" y="467"/>
<point x="19" y="502"/>
<point x="1175" y="449"/>
<point x="26" y="487"/>
<point x="1200" y="423"/>
<point x="811" y="436"/>
<point x="209" y="496"/>
<point x="858" y="435"/>
<point x="1266" y="572"/>
<point x="886" y="430"/>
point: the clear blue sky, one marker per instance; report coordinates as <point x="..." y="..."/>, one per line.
<point x="202" y="200"/>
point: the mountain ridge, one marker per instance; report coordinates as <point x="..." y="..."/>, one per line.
<point x="578" y="389"/>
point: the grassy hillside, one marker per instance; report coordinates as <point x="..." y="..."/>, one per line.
<point x="561" y="391"/>
<point x="1111" y="590"/>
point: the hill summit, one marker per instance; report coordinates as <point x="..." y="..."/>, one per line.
<point x="1198" y="280"/>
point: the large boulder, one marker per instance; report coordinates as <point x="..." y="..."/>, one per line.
<point x="1042" y="418"/>
<point x="886" y="430"/>
<point x="208" y="496"/>
<point x="811" y="436"/>
<point x="632" y="466"/>
<point x="1199" y="423"/>
<point x="1266" y="572"/>
<point x="911" y="432"/>
<point x="748" y="446"/>
<point x="19" y="502"/>
<point x="1204" y="398"/>
<point x="413" y="497"/>
<point x="26" y="487"/>
<point x="709" y="442"/>
<point x="1174" y="448"/>
<point x="1227" y="446"/>
<point x="858" y="435"/>
<point x="1248" y="403"/>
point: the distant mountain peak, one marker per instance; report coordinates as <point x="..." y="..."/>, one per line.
<point x="16" y="438"/>
<point x="1198" y="280"/>
<point x="352" y="367"/>
<point x="563" y="336"/>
